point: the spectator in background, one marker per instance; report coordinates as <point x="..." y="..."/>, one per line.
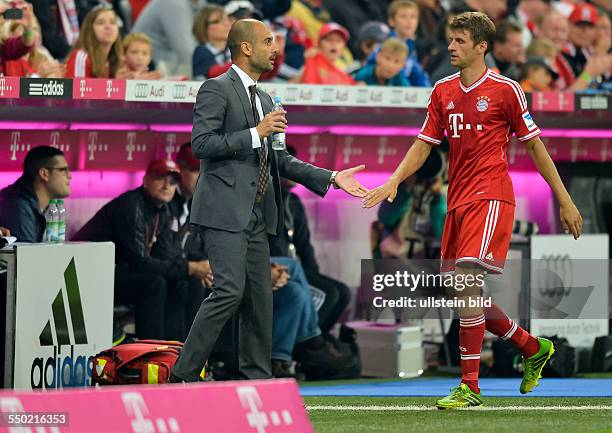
<point x="528" y="14"/>
<point x="390" y="61"/>
<point x="298" y="46"/>
<point x="495" y="9"/>
<point x="353" y="14"/>
<point x="99" y="50"/>
<point x="46" y="176"/>
<point x="269" y="9"/>
<point x="538" y="75"/>
<point x="295" y="242"/>
<point x="13" y="48"/>
<point x="38" y="62"/>
<point x="581" y="34"/>
<point x="190" y="239"/>
<point x="313" y="16"/>
<point x="431" y="14"/>
<point x="211" y="57"/>
<point x="603" y="42"/>
<point x="151" y="272"/>
<point x="508" y="52"/>
<point x="543" y="47"/>
<point x="137" y="56"/>
<point x="59" y="25"/>
<point x="169" y="24"/>
<point x="370" y="36"/>
<point x="321" y="68"/>
<point x="404" y="20"/>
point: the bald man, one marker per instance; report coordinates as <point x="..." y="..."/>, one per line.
<point x="238" y="201"/>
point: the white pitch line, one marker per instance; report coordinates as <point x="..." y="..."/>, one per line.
<point x="478" y="408"/>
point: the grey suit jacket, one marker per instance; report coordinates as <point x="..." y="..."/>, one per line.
<point x="229" y="168"/>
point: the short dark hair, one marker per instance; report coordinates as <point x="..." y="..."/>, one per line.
<point x="241" y="31"/>
<point x="504" y="29"/>
<point x="37" y="158"/>
<point x="477" y="24"/>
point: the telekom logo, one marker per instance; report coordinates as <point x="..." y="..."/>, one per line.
<point x="83" y="88"/>
<point x="384" y="150"/>
<point x="455" y="124"/>
<point x="136" y="408"/>
<point x="4" y="86"/>
<point x="132" y="146"/>
<point x="170" y="145"/>
<point x="17" y="146"/>
<point x="348" y="150"/>
<point x="257" y="417"/>
<point x="93" y="146"/>
<point x="13" y="405"/>
<point x="110" y="89"/>
<point x="315" y="149"/>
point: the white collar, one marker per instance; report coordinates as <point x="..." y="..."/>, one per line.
<point x="246" y="80"/>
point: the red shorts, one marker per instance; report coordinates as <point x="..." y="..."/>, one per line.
<point x="478" y="232"/>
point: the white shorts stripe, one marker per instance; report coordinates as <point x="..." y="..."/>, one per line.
<point x="467" y="357"/>
<point x="492" y="230"/>
<point x="484" y="232"/>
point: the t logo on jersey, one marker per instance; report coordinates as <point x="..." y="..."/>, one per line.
<point x="455" y="124"/>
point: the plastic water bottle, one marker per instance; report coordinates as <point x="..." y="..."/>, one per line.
<point x="278" y="139"/>
<point x="52" y="217"/>
<point x="61" y="210"/>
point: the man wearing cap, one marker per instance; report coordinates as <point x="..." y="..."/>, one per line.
<point x="238" y="202"/>
<point x="150" y="270"/>
<point x="582" y="33"/>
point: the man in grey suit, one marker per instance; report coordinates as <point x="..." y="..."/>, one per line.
<point x="238" y="202"/>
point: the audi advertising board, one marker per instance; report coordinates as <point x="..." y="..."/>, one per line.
<point x="569" y="287"/>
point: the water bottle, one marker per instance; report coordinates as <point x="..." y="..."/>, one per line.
<point x="61" y="210"/>
<point x="278" y="138"/>
<point x="52" y="217"/>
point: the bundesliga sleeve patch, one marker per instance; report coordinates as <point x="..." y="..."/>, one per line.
<point x="529" y="123"/>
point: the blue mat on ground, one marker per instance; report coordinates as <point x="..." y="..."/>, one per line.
<point x="490" y="388"/>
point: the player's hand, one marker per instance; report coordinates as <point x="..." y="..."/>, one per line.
<point x="199" y="269"/>
<point x="387" y="191"/>
<point x="274" y="121"/>
<point x="4" y="231"/>
<point x="571" y="219"/>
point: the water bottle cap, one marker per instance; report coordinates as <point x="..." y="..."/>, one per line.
<point x="60" y="201"/>
<point x="52" y="201"/>
<point x="277" y="99"/>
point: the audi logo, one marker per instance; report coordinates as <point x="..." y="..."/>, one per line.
<point x="142" y="90"/>
<point x="556" y="275"/>
<point x="179" y="91"/>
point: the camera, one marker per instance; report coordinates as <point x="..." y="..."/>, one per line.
<point x="13" y="14"/>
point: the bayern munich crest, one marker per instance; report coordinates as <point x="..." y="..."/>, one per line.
<point x="482" y="103"/>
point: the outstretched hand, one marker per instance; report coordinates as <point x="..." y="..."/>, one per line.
<point x="345" y="180"/>
<point x="387" y="191"/>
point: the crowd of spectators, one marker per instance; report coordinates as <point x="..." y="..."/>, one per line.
<point x="543" y="44"/>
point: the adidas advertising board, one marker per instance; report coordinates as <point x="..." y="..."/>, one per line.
<point x="64" y="313"/>
<point x="59" y="88"/>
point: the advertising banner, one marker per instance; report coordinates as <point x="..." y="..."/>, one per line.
<point x="64" y="313"/>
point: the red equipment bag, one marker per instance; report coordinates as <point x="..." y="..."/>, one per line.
<point x="140" y="362"/>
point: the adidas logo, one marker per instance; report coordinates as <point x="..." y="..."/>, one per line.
<point x="59" y="314"/>
<point x="450" y="106"/>
<point x="489" y="256"/>
<point x="71" y="368"/>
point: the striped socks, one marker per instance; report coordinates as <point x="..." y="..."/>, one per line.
<point x="498" y="323"/>
<point x="471" y="333"/>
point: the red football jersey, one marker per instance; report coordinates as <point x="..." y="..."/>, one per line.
<point x="479" y="121"/>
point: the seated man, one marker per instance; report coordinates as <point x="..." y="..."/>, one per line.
<point x="295" y="243"/>
<point x="295" y="329"/>
<point x="150" y="272"/>
<point x="45" y="177"/>
<point x="191" y="240"/>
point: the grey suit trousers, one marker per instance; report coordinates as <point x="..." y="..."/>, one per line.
<point x="241" y="267"/>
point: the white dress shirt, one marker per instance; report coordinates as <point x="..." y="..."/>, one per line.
<point x="247" y="82"/>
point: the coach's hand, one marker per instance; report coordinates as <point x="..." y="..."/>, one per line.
<point x="571" y="219"/>
<point x="387" y="191"/>
<point x="274" y="121"/>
